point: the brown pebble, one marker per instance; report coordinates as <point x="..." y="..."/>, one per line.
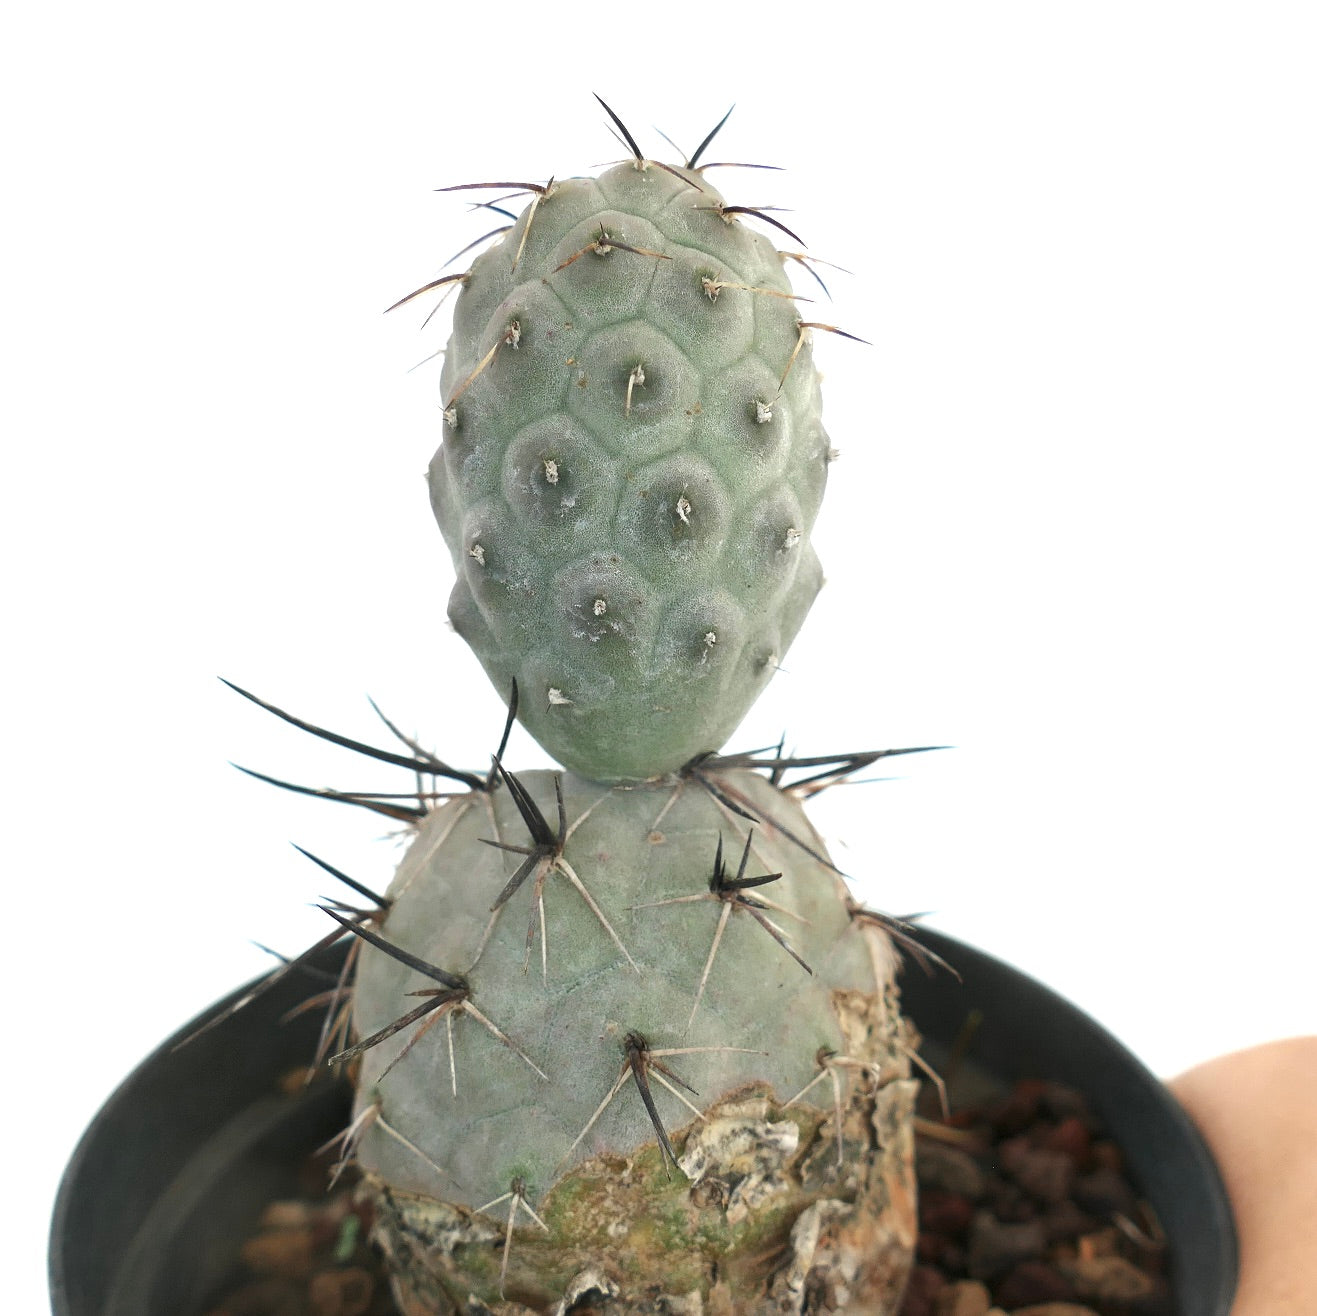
<point x="995" y="1247"/>
<point x="341" y="1292"/>
<point x="286" y="1215"/>
<point x="966" y="1297"/>
<point x="1105" y="1155"/>
<point x="1109" y="1279"/>
<point x="1009" y="1202"/>
<point x="921" y="1292"/>
<point x="264" y="1297"/>
<point x="325" y="1232"/>
<point x="1104" y="1192"/>
<point x="1055" y="1309"/>
<point x="1099" y="1243"/>
<point x="1019" y="1108"/>
<point x="1010" y="1150"/>
<point x="1046" y="1175"/>
<point x="285" y="1252"/>
<point x="1034" y="1282"/>
<point x="953" y="1259"/>
<point x="931" y="1249"/>
<point x="942" y="1212"/>
<point x="1064" y="1221"/>
<point x="1070" y="1136"/>
<point x="950" y="1169"/>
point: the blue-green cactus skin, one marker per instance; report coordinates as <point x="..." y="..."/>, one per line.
<point x="632" y="461"/>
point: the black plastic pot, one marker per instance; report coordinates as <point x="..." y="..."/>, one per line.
<point x="175" y="1169"/>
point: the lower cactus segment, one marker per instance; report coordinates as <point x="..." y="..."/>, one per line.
<point x="671" y="1077"/>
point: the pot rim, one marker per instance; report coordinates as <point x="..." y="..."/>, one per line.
<point x="1166" y="1154"/>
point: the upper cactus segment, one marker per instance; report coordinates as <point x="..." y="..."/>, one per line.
<point x="631" y="465"/>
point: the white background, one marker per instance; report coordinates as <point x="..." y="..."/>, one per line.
<point x="1070" y="532"/>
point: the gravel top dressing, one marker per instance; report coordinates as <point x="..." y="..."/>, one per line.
<point x="1024" y="1209"/>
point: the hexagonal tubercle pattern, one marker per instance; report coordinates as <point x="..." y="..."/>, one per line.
<point x="618" y="441"/>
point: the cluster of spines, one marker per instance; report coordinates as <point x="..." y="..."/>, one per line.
<point x="452" y="994"/>
<point x="711" y="284"/>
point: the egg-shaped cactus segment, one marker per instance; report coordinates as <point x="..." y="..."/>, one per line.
<point x="628" y="389"/>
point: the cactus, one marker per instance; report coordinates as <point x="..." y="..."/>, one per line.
<point x="702" y="971"/>
<point x="632" y="463"/>
<point x="622" y="1040"/>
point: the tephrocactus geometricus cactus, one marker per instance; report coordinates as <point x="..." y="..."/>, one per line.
<point x="671" y="1075"/>
<point x="633" y="458"/>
